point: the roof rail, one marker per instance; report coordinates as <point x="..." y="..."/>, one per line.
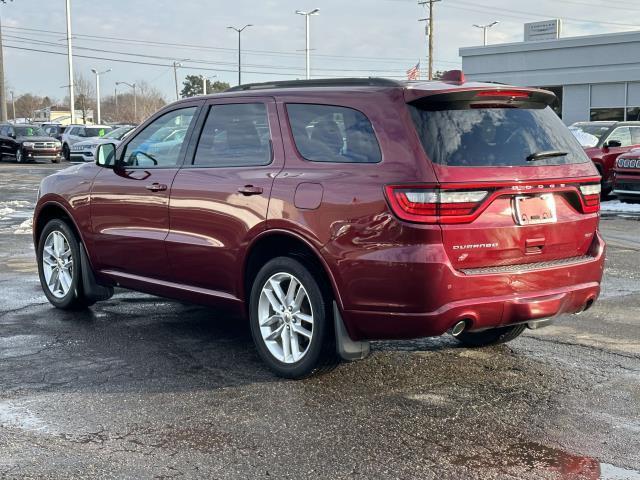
<point x="320" y="82"/>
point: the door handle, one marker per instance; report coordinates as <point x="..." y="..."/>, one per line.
<point x="250" y="190"/>
<point x="156" y="187"/>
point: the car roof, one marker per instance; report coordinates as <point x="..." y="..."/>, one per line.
<point x="413" y="89"/>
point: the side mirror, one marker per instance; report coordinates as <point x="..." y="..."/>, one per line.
<point x="613" y="144"/>
<point x="106" y="155"/>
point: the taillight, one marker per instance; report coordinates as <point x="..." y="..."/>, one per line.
<point x="433" y="205"/>
<point x="591" y="197"/>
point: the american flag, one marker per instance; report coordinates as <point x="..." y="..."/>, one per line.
<point x="414" y="72"/>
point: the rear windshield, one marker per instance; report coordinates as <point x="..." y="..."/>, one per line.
<point x="481" y="137"/>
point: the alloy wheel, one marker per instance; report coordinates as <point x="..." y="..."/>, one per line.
<point x="19" y="156"/>
<point x="57" y="264"/>
<point x="285" y="317"/>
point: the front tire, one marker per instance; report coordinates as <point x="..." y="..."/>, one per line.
<point x="494" y="336"/>
<point x="291" y="320"/>
<point x="19" y="156"/>
<point x="59" y="266"/>
<point x="66" y="153"/>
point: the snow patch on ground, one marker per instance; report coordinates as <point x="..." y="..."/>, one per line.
<point x="4" y="211"/>
<point x="24" y="228"/>
<point x="15" y="203"/>
<point x="618" y="206"/>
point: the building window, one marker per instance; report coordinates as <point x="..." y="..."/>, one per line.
<point x="613" y="114"/>
<point x="633" y="114"/>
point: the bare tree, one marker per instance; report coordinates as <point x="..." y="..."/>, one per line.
<point x="148" y="100"/>
<point x="85" y="94"/>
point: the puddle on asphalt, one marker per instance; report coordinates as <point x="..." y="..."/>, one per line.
<point x="534" y="456"/>
<point x="20" y="345"/>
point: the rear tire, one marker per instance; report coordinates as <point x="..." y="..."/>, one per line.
<point x="291" y="320"/>
<point x="494" y="336"/>
<point x="59" y="267"/>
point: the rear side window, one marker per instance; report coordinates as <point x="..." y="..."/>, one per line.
<point x="327" y="133"/>
<point x="235" y="135"/>
<point x="480" y="137"/>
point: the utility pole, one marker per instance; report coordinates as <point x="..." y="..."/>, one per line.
<point x="3" y="91"/>
<point x="430" y="33"/>
<point x="115" y="99"/>
<point x="13" y="106"/>
<point x="315" y="11"/>
<point x="239" y="30"/>
<point x="72" y="104"/>
<point x="175" y="77"/>
<point x="484" y="30"/>
<point x="97" y="73"/>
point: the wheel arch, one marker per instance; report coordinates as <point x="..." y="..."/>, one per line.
<point x="275" y="243"/>
<point x="49" y="211"/>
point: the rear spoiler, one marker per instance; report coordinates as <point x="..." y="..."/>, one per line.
<point x="480" y="96"/>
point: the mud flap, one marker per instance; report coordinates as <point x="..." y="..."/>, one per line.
<point x="92" y="290"/>
<point x="348" y="349"/>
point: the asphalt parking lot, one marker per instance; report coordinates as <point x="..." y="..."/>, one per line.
<point x="141" y="387"/>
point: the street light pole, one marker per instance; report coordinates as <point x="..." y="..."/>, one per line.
<point x="115" y="99"/>
<point x="484" y="30"/>
<point x="13" y="106"/>
<point x="204" y="83"/>
<point x="135" y="106"/>
<point x="307" y="48"/>
<point x="97" y="73"/>
<point x="239" y="30"/>
<point x="72" y="104"/>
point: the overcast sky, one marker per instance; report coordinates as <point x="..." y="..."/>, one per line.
<point x="349" y="38"/>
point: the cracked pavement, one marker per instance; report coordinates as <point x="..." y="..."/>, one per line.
<point x="142" y="387"/>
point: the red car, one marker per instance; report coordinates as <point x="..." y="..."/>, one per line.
<point x="333" y="212"/>
<point x="611" y="139"/>
<point x="626" y="177"/>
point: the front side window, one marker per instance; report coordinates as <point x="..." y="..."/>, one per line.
<point x="160" y="143"/>
<point x="328" y="133"/>
<point x="235" y="135"/>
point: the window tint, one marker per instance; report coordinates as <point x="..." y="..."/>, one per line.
<point x="160" y="143"/>
<point x="327" y="133"/>
<point x="635" y="135"/>
<point x="494" y="136"/>
<point x="235" y="135"/>
<point x="622" y="135"/>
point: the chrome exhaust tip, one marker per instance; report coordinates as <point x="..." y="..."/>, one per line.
<point x="458" y="328"/>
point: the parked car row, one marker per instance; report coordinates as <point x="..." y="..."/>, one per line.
<point x="24" y="142"/>
<point x="614" y="148"/>
<point x="335" y="212"/>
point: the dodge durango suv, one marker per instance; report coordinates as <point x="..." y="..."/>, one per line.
<point x="334" y="212"/>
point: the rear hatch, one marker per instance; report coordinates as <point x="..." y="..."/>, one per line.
<point x="514" y="185"/>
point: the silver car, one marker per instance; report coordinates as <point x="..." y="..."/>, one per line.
<point x="85" y="150"/>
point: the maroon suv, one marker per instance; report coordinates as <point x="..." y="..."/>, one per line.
<point x="333" y="212"/>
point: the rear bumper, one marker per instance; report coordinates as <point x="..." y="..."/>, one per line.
<point x="505" y="299"/>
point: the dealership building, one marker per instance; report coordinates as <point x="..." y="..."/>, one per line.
<point x="595" y="77"/>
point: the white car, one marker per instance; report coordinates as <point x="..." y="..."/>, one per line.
<point x="78" y="133"/>
<point x="85" y="150"/>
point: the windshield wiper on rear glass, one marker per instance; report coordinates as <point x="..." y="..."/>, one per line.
<point x="546" y="154"/>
